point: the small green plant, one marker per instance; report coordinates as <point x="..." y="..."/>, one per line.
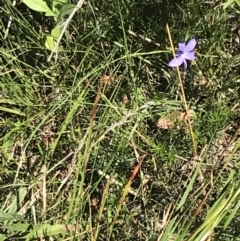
<point x="57" y="9"/>
<point x="229" y="2"/>
<point x="98" y="145"/>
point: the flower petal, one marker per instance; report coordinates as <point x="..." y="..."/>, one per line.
<point x="176" y="61"/>
<point x="189" y="56"/>
<point x="190" y="45"/>
<point x="185" y="65"/>
<point x="182" y="46"/>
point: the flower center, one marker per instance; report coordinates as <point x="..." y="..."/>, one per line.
<point x="178" y="53"/>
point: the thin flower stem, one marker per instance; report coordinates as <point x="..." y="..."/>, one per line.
<point x="183" y="94"/>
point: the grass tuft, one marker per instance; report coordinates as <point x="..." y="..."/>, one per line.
<point x="108" y="142"/>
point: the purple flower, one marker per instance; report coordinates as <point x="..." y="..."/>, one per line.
<point x="184" y="53"/>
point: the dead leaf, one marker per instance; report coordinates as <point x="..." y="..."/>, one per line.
<point x="107" y="79"/>
<point x="125" y="100"/>
<point x="167" y="122"/>
<point x="183" y="116"/>
<point x="95" y="202"/>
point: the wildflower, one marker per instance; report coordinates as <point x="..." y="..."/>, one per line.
<point x="184" y="53"/>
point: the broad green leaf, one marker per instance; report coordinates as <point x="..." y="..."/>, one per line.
<point x="13" y="111"/>
<point x="48" y="41"/>
<point x="9" y="216"/>
<point x="67" y="9"/>
<point x="56" y="32"/>
<point x="18" y="199"/>
<point x="22" y="227"/>
<point x="37" y="5"/>
<point x="59" y="2"/>
<point x="50" y="13"/>
<point x="227" y="4"/>
<point x="2" y="237"/>
<point x="47" y="230"/>
<point x="7" y="143"/>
